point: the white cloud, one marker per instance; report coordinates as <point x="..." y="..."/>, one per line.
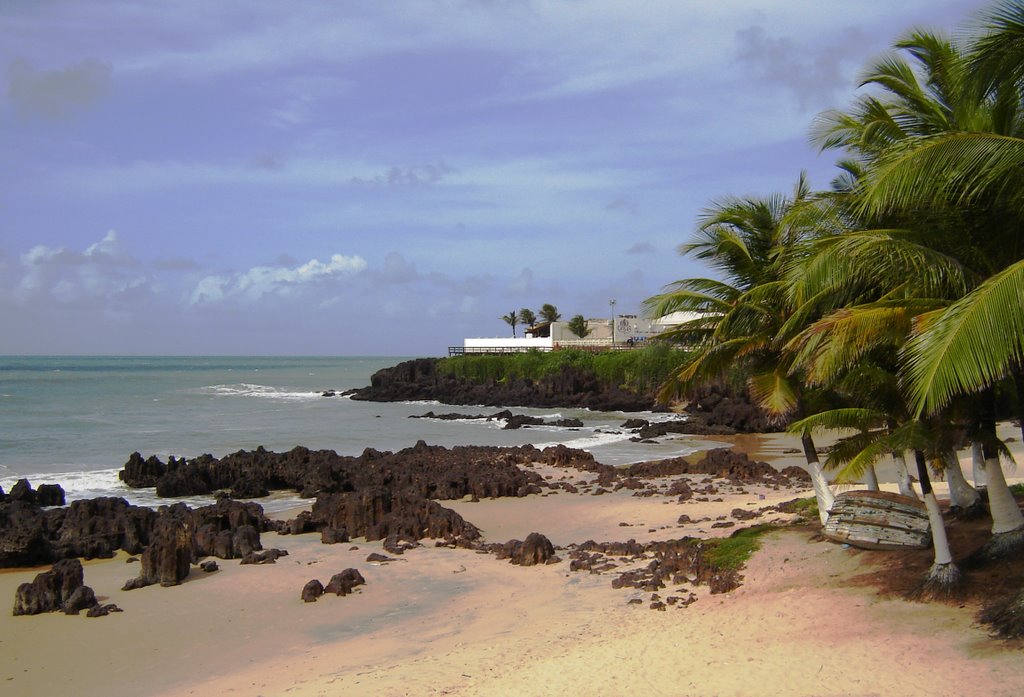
<point x="103" y="273"/>
<point x="260" y="281"/>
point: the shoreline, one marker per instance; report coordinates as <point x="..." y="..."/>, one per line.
<point x="453" y="621"/>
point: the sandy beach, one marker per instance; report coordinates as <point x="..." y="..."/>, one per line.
<point x="806" y="621"/>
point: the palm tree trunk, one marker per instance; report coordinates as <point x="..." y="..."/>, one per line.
<point x="903" y="476"/>
<point x="822" y="491"/>
<point x="871" y="479"/>
<point x="943" y="579"/>
<point x="1006" y="515"/>
<point x="961" y="494"/>
<point x="978" y="466"/>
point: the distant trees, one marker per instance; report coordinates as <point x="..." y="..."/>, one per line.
<point x="511" y="319"/>
<point x="578" y="326"/>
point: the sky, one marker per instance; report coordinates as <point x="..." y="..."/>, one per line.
<point x="254" y="177"/>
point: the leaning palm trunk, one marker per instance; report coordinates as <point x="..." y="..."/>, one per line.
<point x="943" y="579"/>
<point x="962" y="496"/>
<point x="1007" y="516"/>
<point x="871" y="479"/>
<point x="903" y="476"/>
<point x="822" y="491"/>
<point x="978" y="466"/>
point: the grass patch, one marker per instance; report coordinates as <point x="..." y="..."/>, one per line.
<point x="641" y="370"/>
<point x="807" y="508"/>
<point x="1017" y="489"/>
<point x="733" y="552"/>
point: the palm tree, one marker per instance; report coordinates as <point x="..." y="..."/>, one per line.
<point x="750" y="242"/>
<point x="578" y="326"/>
<point x="940" y="143"/>
<point x="549" y="313"/>
<point x="527" y="317"/>
<point x="511" y="319"/>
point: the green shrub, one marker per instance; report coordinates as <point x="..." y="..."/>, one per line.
<point x="640" y="370"/>
<point x="733" y="552"/>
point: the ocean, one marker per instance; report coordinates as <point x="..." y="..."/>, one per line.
<point x="74" y="420"/>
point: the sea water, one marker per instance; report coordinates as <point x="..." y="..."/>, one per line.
<point x="74" y="420"/>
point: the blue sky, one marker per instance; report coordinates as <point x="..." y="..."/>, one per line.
<point x="385" y="178"/>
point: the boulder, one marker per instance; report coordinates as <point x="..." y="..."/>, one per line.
<point x="343" y="583"/>
<point x="311" y="591"/>
<point x="51" y="590"/>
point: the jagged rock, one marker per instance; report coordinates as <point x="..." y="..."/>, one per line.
<point x="139" y="473"/>
<point x="50" y="590"/>
<point x="266" y="556"/>
<point x="331" y="536"/>
<point x="209" y="566"/>
<point x="50" y="495"/>
<point x="343" y="583"/>
<point x="379" y="558"/>
<point x="535" y="549"/>
<point x="22" y="491"/>
<point x="103" y="610"/>
<point x="83" y="598"/>
<point x="377" y="512"/>
<point x="311" y="591"/>
<point x="168" y="558"/>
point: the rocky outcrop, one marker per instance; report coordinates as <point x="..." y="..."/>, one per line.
<point x="59" y="589"/>
<point x="45" y="495"/>
<point x="377" y="512"/>
<point x="569" y="387"/>
<point x="168" y="558"/>
<point x="723" y="463"/>
<point x="430" y="471"/>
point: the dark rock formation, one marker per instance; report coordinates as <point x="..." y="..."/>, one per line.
<point x="60" y="588"/>
<point x="171" y="551"/>
<point x="103" y="610"/>
<point x="535" y="549"/>
<point x="570" y="387"/>
<point x="311" y="591"/>
<point x="431" y="471"/>
<point x="377" y="512"/>
<point x="266" y="556"/>
<point x="673" y="561"/>
<point x="343" y="583"/>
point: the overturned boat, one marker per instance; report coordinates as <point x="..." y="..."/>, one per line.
<point x="878" y="520"/>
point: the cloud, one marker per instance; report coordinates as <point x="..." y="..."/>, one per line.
<point x="101" y="274"/>
<point x="261" y="281"/>
<point x="521" y="284"/>
<point x="57" y="94"/>
<point x="408" y="176"/>
<point x="624" y="205"/>
<point x="812" y="76"/>
<point x="641" y="248"/>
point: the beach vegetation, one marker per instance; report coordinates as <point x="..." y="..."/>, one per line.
<point x="731" y="553"/>
<point x="641" y="370"/>
<point x="889" y="309"/>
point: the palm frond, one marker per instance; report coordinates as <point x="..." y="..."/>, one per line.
<point x="969" y="346"/>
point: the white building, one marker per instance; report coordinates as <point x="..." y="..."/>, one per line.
<point x="628" y="331"/>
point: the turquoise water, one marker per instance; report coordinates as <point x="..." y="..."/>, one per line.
<point x="75" y="420"/>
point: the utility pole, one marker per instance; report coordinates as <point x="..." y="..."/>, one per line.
<point x="612" y="303"/>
